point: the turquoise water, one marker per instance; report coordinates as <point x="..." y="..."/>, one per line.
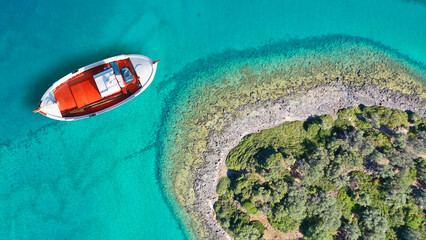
<point x="99" y="178"/>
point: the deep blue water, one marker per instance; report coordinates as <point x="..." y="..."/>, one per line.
<point x="99" y="178"/>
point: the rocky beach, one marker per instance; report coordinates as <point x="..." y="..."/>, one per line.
<point x="325" y="99"/>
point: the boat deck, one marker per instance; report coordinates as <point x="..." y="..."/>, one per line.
<point x="79" y="95"/>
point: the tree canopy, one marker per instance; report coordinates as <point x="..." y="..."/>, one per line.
<point x="358" y="175"/>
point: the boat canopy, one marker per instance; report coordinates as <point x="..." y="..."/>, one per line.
<point x="107" y="83"/>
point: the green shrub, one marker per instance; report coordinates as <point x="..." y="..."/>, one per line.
<point x="343" y="124"/>
<point x="326" y="122"/>
<point x="249" y="207"/>
<point x="259" y="226"/>
<point x="348" y="113"/>
<point x="389" y="117"/>
<point x="351" y="231"/>
<point x="379" y="140"/>
<point x="363" y="124"/>
<point x="231" y="219"/>
<point x="248" y="232"/>
<point x="240" y="157"/>
<point x="223" y="185"/>
<point x="243" y="186"/>
<point x="326" y="185"/>
<point x="273" y="159"/>
<point x="413" y="216"/>
<point x="374" y="224"/>
<point x="397" y="118"/>
<point x="346" y="203"/>
<point x="283" y="222"/>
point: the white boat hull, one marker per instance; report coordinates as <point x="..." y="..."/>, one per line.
<point x="144" y="67"/>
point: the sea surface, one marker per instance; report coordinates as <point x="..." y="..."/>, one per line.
<point x="100" y="178"/>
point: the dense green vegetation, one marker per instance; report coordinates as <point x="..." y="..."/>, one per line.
<point x="361" y="175"/>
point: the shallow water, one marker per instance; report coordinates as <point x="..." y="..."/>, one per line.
<point x="99" y="178"/>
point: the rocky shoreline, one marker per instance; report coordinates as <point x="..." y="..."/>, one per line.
<point x="254" y="117"/>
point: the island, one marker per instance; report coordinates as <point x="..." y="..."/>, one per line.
<point x="358" y="173"/>
<point x="220" y="100"/>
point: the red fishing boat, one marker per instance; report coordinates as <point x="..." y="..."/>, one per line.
<point x="98" y="87"/>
